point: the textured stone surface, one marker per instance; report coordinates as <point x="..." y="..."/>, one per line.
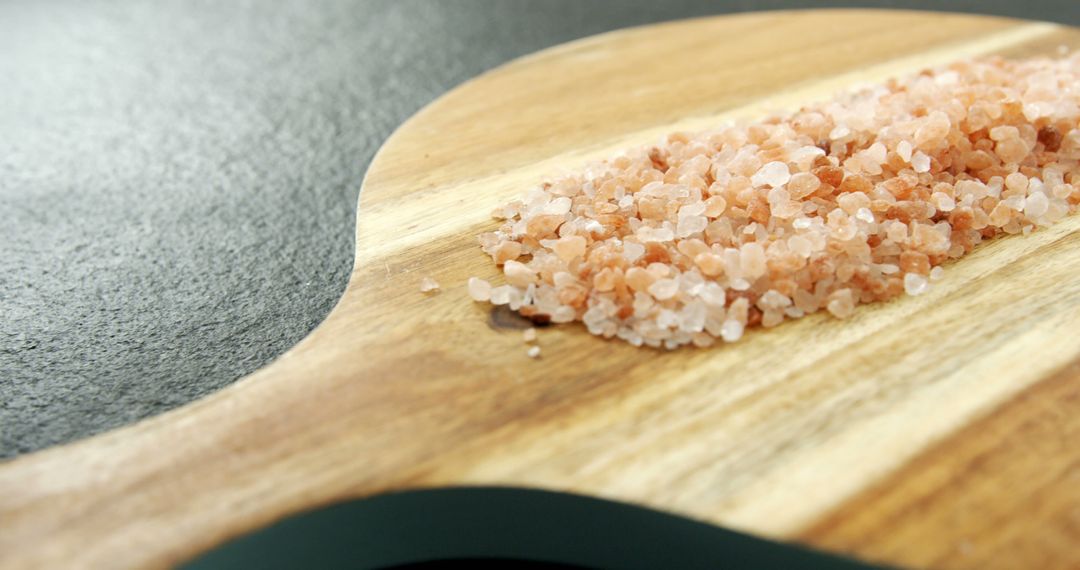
<point x="178" y="179"/>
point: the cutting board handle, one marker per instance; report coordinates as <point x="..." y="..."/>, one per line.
<point x="326" y="421"/>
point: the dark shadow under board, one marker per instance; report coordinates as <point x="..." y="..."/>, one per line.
<point x="491" y="527"/>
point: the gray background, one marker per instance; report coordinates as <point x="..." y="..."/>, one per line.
<point x="178" y="179"/>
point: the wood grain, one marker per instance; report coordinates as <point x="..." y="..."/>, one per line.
<point x="1019" y="505"/>
<point x="791" y="433"/>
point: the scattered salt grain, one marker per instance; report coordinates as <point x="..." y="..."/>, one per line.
<point x="533" y="352"/>
<point x="428" y="285"/>
<point x="528" y="335"/>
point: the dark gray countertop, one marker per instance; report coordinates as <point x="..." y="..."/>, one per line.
<point x="178" y="179"/>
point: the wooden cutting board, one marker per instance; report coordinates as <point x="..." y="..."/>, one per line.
<point x="936" y="431"/>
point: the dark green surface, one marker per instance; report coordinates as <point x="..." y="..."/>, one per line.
<point x="509" y="524"/>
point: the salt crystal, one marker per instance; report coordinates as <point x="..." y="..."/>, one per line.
<point x="772" y="174"/>
<point x="689" y="225"/>
<point x="864" y="214"/>
<point x="839" y="132"/>
<point x="903" y="149"/>
<point x="563" y="314"/>
<point x="514" y="299"/>
<point x="501" y="295"/>
<point x="876" y="153"/>
<point x="1004" y="132"/>
<point x="479" y="289"/>
<point x="715" y="206"/>
<point x="803" y="184"/>
<point x="937" y="273"/>
<point x="799" y="246"/>
<point x="713" y="295"/>
<point x="667" y="319"/>
<point x="528" y="335"/>
<point x="638" y="278"/>
<point x="695" y="209"/>
<point x="533" y="352"/>
<point x="852" y="202"/>
<point x="888" y="268"/>
<point x="691" y="282"/>
<point x="648" y="234"/>
<point x="1036" y="205"/>
<point x="664" y="289"/>
<point x="605" y="280"/>
<point x="558" y="207"/>
<point x="505" y="251"/>
<point x="841" y="304"/>
<point x="692" y="317"/>
<point x="569" y="247"/>
<point x="518" y="273"/>
<point x="771" y="318"/>
<point x="920" y="162"/>
<point x="773" y="299"/>
<point x="752" y="260"/>
<point x="932" y="131"/>
<point x="777" y="196"/>
<point x="731" y="330"/>
<point x="632" y="251"/>
<point x="915" y="284"/>
<point x="1011" y="150"/>
<point x="943" y="202"/>
<point x="659" y="270"/>
<point x="428" y="284"/>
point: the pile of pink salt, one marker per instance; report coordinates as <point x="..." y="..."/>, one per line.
<point x="853" y="200"/>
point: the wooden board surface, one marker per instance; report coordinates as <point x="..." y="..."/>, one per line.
<point x="932" y="431"/>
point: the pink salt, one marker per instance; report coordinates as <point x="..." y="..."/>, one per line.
<point x="843" y="202"/>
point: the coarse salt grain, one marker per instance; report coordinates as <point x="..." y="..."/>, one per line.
<point x="848" y="201"/>
<point x="533" y="352"/>
<point x="663" y="289"/>
<point x="479" y="289"/>
<point x="528" y="335"/>
<point x="428" y="285"/>
<point x="915" y="284"/>
<point x="920" y="162"/>
<point x="773" y="174"/>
